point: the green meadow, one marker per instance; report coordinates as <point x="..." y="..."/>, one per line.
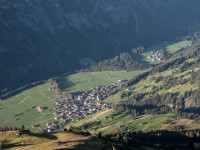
<point x="170" y="47"/>
<point x="23" y="102"/>
<point x="85" y="81"/>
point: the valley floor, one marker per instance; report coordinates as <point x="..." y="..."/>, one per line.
<point x="36" y="107"/>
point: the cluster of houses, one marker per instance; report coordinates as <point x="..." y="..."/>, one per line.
<point x="85" y="103"/>
<point x="67" y="110"/>
<point x="53" y="126"/>
<point x="98" y="93"/>
<point x="155" y="55"/>
<point x="52" y="88"/>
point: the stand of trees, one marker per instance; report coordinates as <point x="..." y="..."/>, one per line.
<point x="122" y="62"/>
<point x="8" y="128"/>
<point x="78" y="130"/>
<point x="152" y="102"/>
<point x="165" y="139"/>
<point x="140" y="104"/>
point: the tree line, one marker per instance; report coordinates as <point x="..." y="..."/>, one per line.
<point x="9" y="128"/>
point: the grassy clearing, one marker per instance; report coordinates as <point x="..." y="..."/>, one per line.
<point x="108" y="118"/>
<point x="88" y="80"/>
<point x="127" y="122"/>
<point x="93" y="117"/>
<point x="177" y="46"/>
<point x="151" y="122"/>
<point x="115" y="98"/>
<point x="182" y="89"/>
<point x="187" y="123"/>
<point x="36" y="96"/>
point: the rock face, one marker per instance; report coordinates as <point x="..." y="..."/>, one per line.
<point x="44" y="38"/>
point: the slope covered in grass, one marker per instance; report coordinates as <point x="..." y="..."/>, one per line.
<point x="112" y="121"/>
<point x="21" y="105"/>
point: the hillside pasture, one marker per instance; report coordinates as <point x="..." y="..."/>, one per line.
<point x="21" y="105"/>
<point x="177" y="46"/>
<point x="111" y="121"/>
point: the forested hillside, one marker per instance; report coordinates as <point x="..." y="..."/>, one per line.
<point x="170" y="87"/>
<point x="41" y="39"/>
<point x="122" y="62"/>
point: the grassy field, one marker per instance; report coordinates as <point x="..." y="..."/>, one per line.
<point x="36" y="96"/>
<point x="170" y="47"/>
<point x="115" y="98"/>
<point x="88" y="80"/>
<point x="150" y="122"/>
<point x="93" y="117"/>
<point x="177" y="46"/>
<point x="107" y="125"/>
<point x="60" y="140"/>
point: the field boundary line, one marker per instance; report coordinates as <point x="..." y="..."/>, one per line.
<point x="15" y="104"/>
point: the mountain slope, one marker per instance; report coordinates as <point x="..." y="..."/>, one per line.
<point x="41" y="39"/>
<point x="166" y="97"/>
